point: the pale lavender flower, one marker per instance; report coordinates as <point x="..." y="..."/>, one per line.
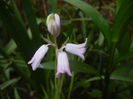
<point x="62" y="64"/>
<point x="53" y="24"/>
<point x="38" y="56"/>
<point x="76" y="49"/>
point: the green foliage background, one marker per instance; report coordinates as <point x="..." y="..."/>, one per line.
<point x="107" y="71"/>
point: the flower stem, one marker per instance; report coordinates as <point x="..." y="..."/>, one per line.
<point x="109" y="70"/>
<point x="59" y="83"/>
<point x="70" y="86"/>
<point x="56" y="80"/>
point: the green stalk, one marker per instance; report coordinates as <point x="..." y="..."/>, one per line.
<point x="108" y="72"/>
<point x="70" y="87"/>
<point x="61" y="79"/>
<point x="58" y="81"/>
<point x="1" y="95"/>
<point x="58" y="86"/>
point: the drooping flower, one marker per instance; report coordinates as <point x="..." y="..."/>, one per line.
<point x="38" y="56"/>
<point x="62" y="64"/>
<point x="53" y="24"/>
<point x="76" y="49"/>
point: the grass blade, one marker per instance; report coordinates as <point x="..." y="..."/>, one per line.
<point x="19" y="34"/>
<point x="8" y="83"/>
<point x="97" y="18"/>
<point x="122" y="19"/>
<point x="32" y="22"/>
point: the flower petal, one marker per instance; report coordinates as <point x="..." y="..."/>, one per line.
<point x="57" y="19"/>
<point x="38" y="56"/>
<point x="76" y="49"/>
<point x="62" y="64"/>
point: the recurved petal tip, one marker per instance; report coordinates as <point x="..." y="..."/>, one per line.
<point x="69" y="73"/>
<point x="82" y="57"/>
<point x="34" y="68"/>
<point x="57" y="75"/>
<point x="29" y="62"/>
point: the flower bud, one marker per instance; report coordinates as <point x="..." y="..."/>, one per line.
<point x="53" y="24"/>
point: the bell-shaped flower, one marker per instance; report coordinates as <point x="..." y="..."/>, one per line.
<point x="38" y="56"/>
<point x="53" y="24"/>
<point x="76" y="49"/>
<point x="62" y="64"/>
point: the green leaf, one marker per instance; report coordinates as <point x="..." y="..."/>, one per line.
<point x="16" y="94"/>
<point x="16" y="28"/>
<point x="128" y="55"/>
<point x="99" y="21"/>
<point x="22" y="68"/>
<point x="118" y="4"/>
<point x="95" y="93"/>
<point x="82" y="67"/>
<point x="74" y="66"/>
<point x="32" y="22"/>
<point x="122" y="19"/>
<point x="48" y="65"/>
<point x="46" y="96"/>
<point x="83" y="24"/>
<point x="124" y="43"/>
<point x="10" y="47"/>
<point x="9" y="83"/>
<point x="100" y="39"/>
<point x="124" y="73"/>
<point x="52" y="6"/>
